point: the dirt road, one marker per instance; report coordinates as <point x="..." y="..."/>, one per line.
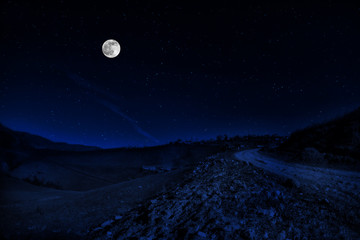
<point x="339" y="184"/>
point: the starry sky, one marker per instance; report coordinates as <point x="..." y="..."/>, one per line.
<point x="190" y="70"/>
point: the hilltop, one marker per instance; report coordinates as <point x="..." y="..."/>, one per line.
<point x="335" y="143"/>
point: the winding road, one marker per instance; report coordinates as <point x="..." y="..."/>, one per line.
<point x="337" y="183"/>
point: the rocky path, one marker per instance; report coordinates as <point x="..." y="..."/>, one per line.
<point x="224" y="198"/>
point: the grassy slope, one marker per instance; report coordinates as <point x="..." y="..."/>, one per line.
<point x="29" y="210"/>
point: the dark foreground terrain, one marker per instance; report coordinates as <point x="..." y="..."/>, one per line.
<point x="229" y="195"/>
<point x="226" y="198"/>
<point x="61" y="194"/>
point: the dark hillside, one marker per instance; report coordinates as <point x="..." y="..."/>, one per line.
<point x="336" y="142"/>
<point x="15" y="140"/>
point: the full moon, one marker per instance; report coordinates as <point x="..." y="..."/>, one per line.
<point x="111" y="48"/>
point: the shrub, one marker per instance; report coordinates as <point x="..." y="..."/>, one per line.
<point x="312" y="155"/>
<point x="36" y="181"/>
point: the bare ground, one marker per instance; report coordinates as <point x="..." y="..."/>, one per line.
<point x="229" y="197"/>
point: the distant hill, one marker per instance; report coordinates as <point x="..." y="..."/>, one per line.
<point x="14" y="140"/>
<point x="334" y="142"/>
<point x="64" y="166"/>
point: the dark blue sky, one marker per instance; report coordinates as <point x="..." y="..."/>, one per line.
<point x="187" y="70"/>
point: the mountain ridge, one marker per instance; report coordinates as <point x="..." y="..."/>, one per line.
<point x="10" y="139"/>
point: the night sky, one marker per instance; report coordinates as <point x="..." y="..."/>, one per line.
<point x="185" y="71"/>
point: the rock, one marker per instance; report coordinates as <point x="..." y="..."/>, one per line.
<point x="204" y="197"/>
<point x="202" y="234"/>
<point x="282" y="236"/>
<point x="97" y="229"/>
<point x="4" y="167"/>
<point x="106" y="223"/>
<point x="312" y="155"/>
<point x="271" y="212"/>
<point x="324" y="201"/>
